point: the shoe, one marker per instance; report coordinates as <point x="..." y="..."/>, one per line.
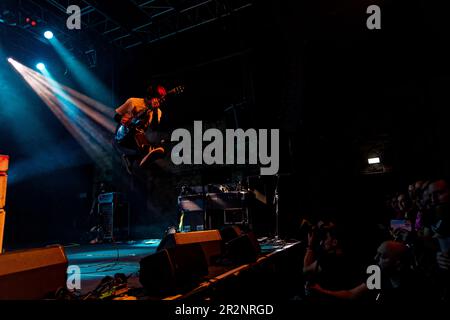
<point x="151" y="153"/>
<point x="127" y="164"/>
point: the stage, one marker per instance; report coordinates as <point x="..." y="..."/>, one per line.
<point x="97" y="261"/>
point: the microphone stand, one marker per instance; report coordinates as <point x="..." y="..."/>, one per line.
<point x="276" y="200"/>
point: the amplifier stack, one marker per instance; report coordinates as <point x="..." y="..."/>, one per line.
<point x="213" y="209"/>
<point x="4" y="162"/>
<point x="114" y="216"/>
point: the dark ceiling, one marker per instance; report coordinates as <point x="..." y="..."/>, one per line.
<point x="145" y="21"/>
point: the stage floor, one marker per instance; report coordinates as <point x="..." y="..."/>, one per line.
<point x="97" y="261"/>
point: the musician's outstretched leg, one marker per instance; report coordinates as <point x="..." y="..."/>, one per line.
<point x="127" y="155"/>
<point x="153" y="154"/>
<point x="128" y="164"/>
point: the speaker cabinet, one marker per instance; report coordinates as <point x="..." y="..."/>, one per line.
<point x="227" y="208"/>
<point x="230" y="233"/>
<point x="32" y="274"/>
<point x="2" y="228"/>
<point x="240" y="247"/>
<point x="4" y="163"/>
<point x="3" y="181"/>
<point x="114" y="216"/>
<point x="241" y="250"/>
<point x="192" y="221"/>
<point x="210" y="241"/>
<point x="192" y="209"/>
<point x="174" y="270"/>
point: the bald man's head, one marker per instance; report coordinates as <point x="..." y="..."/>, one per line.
<point x="392" y="255"/>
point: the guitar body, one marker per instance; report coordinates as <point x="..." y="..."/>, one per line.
<point x="126" y="130"/>
<point x="122" y="134"/>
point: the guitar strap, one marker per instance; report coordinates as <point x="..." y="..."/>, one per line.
<point x="159" y="116"/>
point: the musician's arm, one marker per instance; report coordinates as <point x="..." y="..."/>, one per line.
<point x="123" y="110"/>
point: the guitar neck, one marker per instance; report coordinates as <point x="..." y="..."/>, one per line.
<point x="174" y="91"/>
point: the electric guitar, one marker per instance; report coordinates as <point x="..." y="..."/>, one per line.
<point x="127" y="129"/>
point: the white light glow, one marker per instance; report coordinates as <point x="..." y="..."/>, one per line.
<point x="48" y="35"/>
<point x="40" y="66"/>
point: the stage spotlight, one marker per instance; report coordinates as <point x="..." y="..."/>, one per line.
<point x="40" y="66"/>
<point x="48" y="35"/>
<point x="374" y="160"/>
<point x="31" y="22"/>
<point x="80" y="116"/>
<point x="10" y="60"/>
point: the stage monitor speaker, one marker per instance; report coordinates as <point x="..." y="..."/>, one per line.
<point x="240" y="246"/>
<point x="174" y="270"/>
<point x="230" y="233"/>
<point x="241" y="250"/>
<point x="32" y="274"/>
<point x="209" y="240"/>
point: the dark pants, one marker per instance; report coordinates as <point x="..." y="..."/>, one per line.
<point x="128" y="149"/>
<point x="141" y="142"/>
<point x="138" y="145"/>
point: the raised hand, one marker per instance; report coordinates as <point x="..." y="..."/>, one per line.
<point x="156" y="103"/>
<point x="443" y="260"/>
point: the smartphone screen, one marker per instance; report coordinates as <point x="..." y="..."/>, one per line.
<point x="401" y="224"/>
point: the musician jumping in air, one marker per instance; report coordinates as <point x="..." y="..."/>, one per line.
<point x="135" y="117"/>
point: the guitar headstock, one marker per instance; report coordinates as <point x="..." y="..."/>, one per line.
<point x="177" y="90"/>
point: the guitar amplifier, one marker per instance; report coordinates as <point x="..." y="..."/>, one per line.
<point x="227" y="208"/>
<point x="4" y="162"/>
<point x="227" y="200"/>
<point x="114" y="216"/>
<point x="3" y="181"/>
<point x="191" y="203"/>
<point x="192" y="209"/>
<point x="2" y="228"/>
